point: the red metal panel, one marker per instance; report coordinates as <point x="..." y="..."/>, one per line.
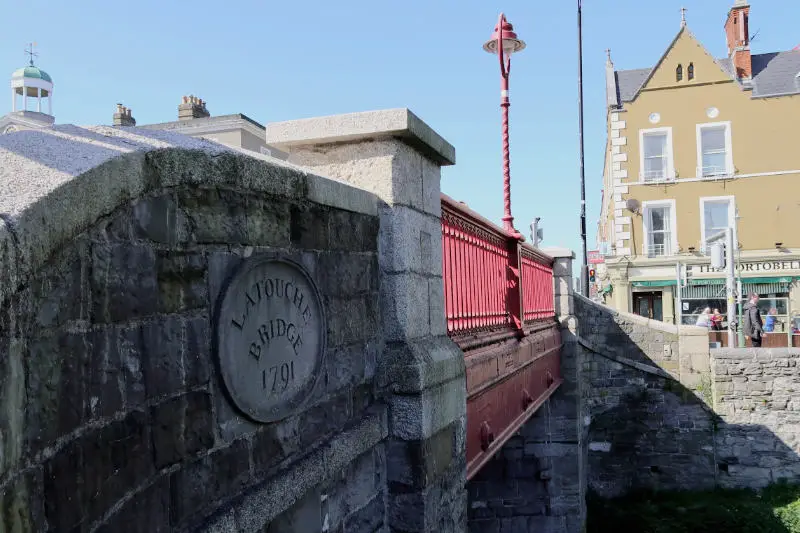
<point x="537" y="286"/>
<point x="506" y="384"/>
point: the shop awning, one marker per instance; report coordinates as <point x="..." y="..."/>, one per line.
<point x="751" y="281"/>
<point x="715" y="288"/>
<point x="665" y="283"/>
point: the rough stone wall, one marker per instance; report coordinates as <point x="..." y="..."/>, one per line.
<point x="647" y="428"/>
<point x="667" y="413"/>
<point x="112" y="415"/>
<point x="756" y="398"/>
<point x="537" y="482"/>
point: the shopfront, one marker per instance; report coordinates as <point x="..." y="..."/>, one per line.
<point x="779" y="298"/>
<point x="654" y="300"/>
<point x="774" y="300"/>
<point x="677" y="292"/>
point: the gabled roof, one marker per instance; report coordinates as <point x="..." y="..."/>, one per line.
<point x="631" y="82"/>
<point x="774" y="74"/>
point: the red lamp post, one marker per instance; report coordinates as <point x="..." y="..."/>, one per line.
<point x="504" y="42"/>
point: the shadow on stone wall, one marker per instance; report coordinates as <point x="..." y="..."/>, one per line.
<point x="659" y="419"/>
<point x="534" y="484"/>
<point x="645" y="406"/>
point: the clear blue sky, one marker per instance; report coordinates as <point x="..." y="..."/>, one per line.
<point x="284" y="60"/>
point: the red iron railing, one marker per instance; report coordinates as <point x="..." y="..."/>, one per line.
<point x="499" y="300"/>
<point x="475" y="261"/>
<point x="537" y="285"/>
<point x="492" y="281"/>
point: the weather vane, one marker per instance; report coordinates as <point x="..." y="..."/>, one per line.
<point x="31" y="52"/>
<point x="683" y="17"/>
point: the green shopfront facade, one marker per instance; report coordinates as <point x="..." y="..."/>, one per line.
<point x="657" y="290"/>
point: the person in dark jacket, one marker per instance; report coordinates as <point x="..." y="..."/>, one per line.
<point x="753" y="326"/>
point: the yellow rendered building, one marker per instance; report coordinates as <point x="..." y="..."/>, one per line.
<point x="697" y="144"/>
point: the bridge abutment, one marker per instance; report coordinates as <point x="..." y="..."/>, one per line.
<point x="394" y="155"/>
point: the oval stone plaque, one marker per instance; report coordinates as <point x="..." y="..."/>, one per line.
<point x="270" y="334"/>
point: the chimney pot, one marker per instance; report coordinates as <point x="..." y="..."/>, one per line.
<point x="192" y="107"/>
<point x="737" y="34"/>
<point x="124" y="116"/>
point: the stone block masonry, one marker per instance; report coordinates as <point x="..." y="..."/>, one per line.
<point x="649" y="426"/>
<point x="398" y="157"/>
<point x="122" y="404"/>
<point x="665" y="412"/>
<point x="756" y="395"/>
<point x="115" y="247"/>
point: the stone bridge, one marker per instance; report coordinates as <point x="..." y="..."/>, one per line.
<point x="196" y="339"/>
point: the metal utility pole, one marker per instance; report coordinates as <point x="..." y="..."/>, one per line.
<point x="731" y="287"/>
<point x="585" y="259"/>
<point x="717" y="262"/>
<point x="739" y="295"/>
<point x="679" y="297"/>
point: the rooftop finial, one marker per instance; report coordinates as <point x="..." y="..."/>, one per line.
<point x="683" y="17"/>
<point x="31" y="52"/>
<point x="608" y="55"/>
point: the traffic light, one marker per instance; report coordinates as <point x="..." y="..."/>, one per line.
<point x="591" y="275"/>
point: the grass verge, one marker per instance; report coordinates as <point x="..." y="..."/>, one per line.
<point x="776" y="509"/>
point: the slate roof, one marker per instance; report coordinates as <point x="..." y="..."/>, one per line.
<point x="629" y="82"/>
<point x="774" y="74"/>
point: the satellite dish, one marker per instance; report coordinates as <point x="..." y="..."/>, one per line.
<point x="632" y="205"/>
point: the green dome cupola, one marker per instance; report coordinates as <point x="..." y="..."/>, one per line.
<point x="32" y="72"/>
<point x="31" y="82"/>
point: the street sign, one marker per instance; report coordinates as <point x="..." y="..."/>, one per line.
<point x="595" y="258"/>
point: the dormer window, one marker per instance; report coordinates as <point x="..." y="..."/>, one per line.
<point x="679" y="73"/>
<point x="690" y="71"/>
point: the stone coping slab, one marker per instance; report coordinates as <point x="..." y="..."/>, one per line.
<point x="557" y="252"/>
<point x="56" y="182"/>
<point x="682" y="330"/>
<point x="368" y="125"/>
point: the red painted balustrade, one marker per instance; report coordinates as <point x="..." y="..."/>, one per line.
<point x="499" y="300"/>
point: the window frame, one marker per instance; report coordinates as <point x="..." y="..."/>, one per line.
<point x="729" y="168"/>
<point x="731" y="199"/>
<point x="669" y="171"/>
<point x="673" y="225"/>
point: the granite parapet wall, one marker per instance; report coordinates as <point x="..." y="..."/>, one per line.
<point x="115" y="246"/>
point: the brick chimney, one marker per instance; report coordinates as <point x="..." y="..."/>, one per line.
<point x="192" y="107"/>
<point x="737" y="33"/>
<point x="123" y="116"/>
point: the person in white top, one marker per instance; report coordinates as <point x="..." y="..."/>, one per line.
<point x="704" y="320"/>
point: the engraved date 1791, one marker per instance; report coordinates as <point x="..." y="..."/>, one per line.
<point x="277" y="378"/>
